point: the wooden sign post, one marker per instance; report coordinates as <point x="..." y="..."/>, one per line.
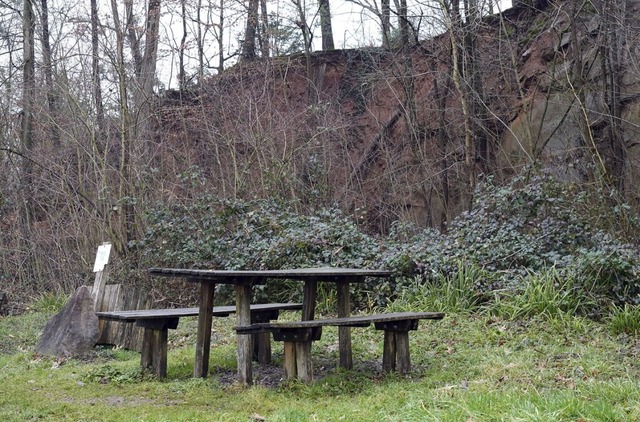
<point x="116" y="297"/>
<point x="102" y="259"/>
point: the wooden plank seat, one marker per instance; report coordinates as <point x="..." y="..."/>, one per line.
<point x="298" y="336"/>
<point x="157" y="322"/>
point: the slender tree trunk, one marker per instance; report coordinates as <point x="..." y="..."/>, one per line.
<point x="121" y="233"/>
<point x="200" y="44"/>
<point x="473" y="77"/>
<point x="454" y="25"/>
<point x="612" y="14"/>
<point x="221" y="57"/>
<point x="48" y="73"/>
<point x="182" y="77"/>
<point x="325" y="25"/>
<point x="265" y="38"/>
<point x="95" y="72"/>
<point x="29" y="275"/>
<point x="386" y="23"/>
<point x="307" y="38"/>
<point x="249" y="43"/>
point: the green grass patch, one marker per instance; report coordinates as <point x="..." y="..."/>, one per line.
<point x="465" y="367"/>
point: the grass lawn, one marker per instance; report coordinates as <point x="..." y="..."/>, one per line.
<point x="466" y="368"/>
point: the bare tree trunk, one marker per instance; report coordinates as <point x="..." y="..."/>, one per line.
<point x="182" y="75"/>
<point x="386" y="23"/>
<point x="454" y="25"/>
<point x="249" y="42"/>
<point x="265" y="36"/>
<point x="473" y="78"/>
<point x="611" y="15"/>
<point x="150" y="58"/>
<point x="26" y="180"/>
<point x="122" y="232"/>
<point x="325" y="25"/>
<point x="95" y="73"/>
<point x="403" y="22"/>
<point x="307" y="37"/>
<point x="48" y="72"/>
<point x="221" y="57"/>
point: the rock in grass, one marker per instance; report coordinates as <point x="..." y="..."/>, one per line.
<point x="73" y="332"/>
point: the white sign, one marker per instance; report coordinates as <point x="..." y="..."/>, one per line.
<point x="102" y="257"/>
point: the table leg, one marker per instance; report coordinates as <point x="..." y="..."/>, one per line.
<point x="310" y="293"/>
<point x="245" y="347"/>
<point x="344" y="333"/>
<point x="203" y="340"/>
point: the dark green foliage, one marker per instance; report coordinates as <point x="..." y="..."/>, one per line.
<point x="524" y="227"/>
<point x="512" y="231"/>
<point x="261" y="234"/>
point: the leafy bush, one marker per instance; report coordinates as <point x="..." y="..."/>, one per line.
<point x="519" y="229"/>
<point x="511" y="233"/>
<point x="260" y="234"/>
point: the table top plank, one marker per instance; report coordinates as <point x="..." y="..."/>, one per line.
<point x="321" y="273"/>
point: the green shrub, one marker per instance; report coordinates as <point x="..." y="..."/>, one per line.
<point x="260" y="234"/>
<point x="515" y="230"/>
<point x="511" y="233"/>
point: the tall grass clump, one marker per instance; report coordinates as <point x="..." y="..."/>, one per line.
<point x="625" y="320"/>
<point x="545" y="293"/>
<point x="455" y="292"/>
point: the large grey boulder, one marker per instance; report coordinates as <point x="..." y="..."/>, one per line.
<point x="73" y="332"/>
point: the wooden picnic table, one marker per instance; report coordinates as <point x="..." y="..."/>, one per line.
<point x="243" y="280"/>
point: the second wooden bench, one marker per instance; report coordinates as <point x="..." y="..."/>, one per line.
<point x="298" y="336"/>
<point x="157" y="322"/>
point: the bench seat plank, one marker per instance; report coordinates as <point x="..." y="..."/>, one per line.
<point x="218" y="311"/>
<point x="384" y="320"/>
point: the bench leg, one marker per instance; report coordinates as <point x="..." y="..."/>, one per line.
<point x="290" y="365"/>
<point x="262" y="341"/>
<point x="303" y="361"/>
<point x="403" y="359"/>
<point x="395" y="355"/>
<point x="297" y="351"/>
<point x="154" y="351"/>
<point x="389" y="352"/>
<point x="297" y="361"/>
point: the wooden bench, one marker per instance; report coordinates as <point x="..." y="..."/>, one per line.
<point x="298" y="336"/>
<point x="157" y="322"/>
